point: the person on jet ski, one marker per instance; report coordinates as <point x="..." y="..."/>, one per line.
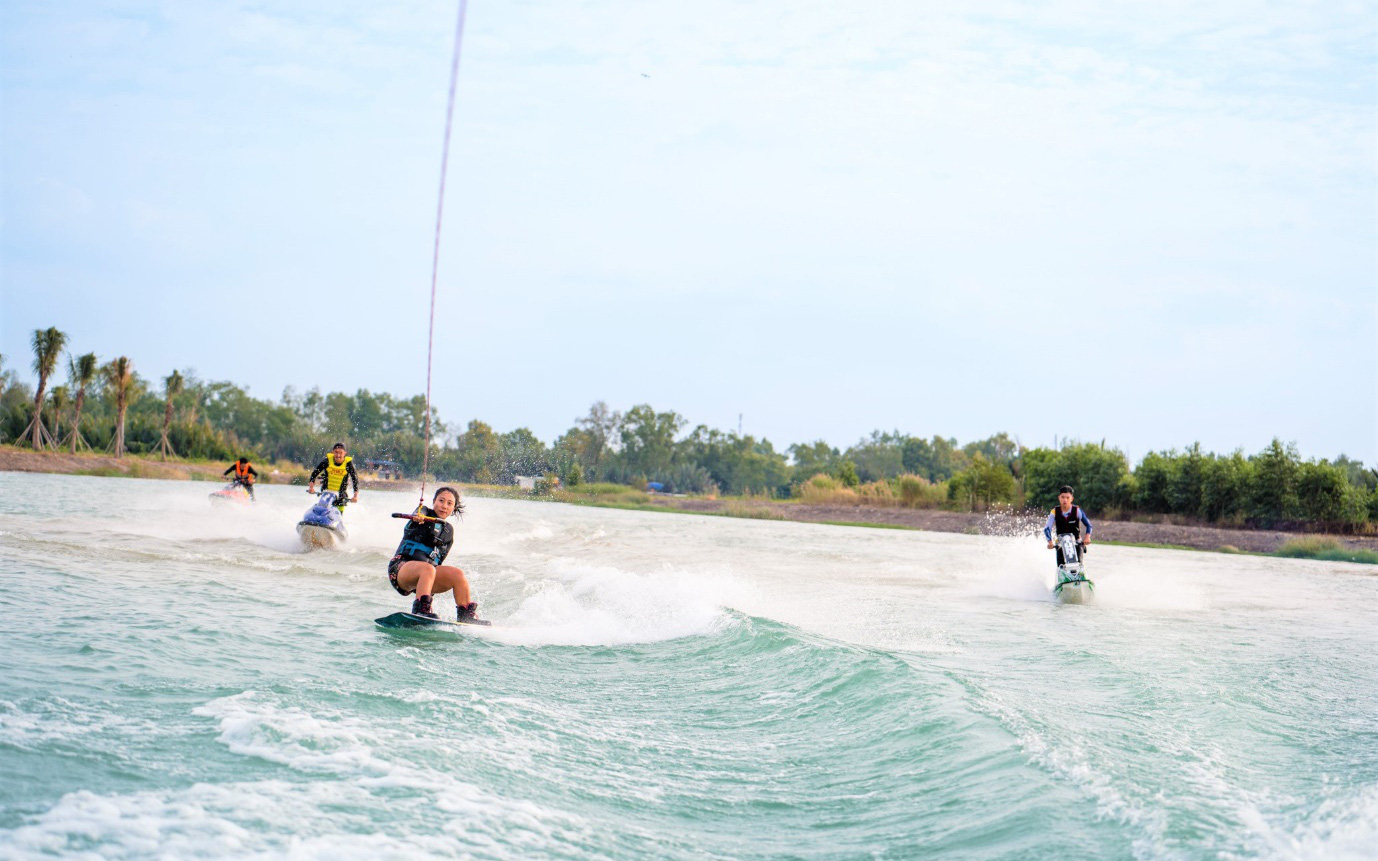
<point x="417" y="568"/>
<point x="1067" y="519"/>
<point x="244" y="475"/>
<point x="339" y="470"/>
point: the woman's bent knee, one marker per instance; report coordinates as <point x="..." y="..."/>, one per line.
<point x="411" y="573"/>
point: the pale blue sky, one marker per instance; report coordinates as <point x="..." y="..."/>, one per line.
<point x="1152" y="223"/>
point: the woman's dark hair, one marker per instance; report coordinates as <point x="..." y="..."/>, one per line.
<point x="459" y="506"/>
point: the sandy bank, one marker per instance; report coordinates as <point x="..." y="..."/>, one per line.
<point x="133" y="466"/>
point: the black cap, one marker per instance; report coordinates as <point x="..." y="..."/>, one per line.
<point x="338" y="445"/>
<point x="1066" y="488"/>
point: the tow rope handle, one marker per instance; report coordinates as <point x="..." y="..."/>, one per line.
<point x="423" y="517"/>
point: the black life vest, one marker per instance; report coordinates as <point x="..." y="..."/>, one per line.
<point x="426" y="542"/>
<point x="1070" y="524"/>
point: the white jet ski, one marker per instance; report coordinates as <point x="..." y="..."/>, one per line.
<point x="323" y="524"/>
<point x="1072" y="585"/>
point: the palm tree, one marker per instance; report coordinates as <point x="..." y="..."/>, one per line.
<point x="47" y="345"/>
<point x="173" y="385"/>
<point x="119" y="374"/>
<point x="80" y="372"/>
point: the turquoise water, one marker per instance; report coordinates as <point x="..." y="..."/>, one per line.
<point x="182" y="682"/>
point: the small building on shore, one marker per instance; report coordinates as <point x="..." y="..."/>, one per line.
<point x="386" y="470"/>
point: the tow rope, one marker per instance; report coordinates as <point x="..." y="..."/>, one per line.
<point x="435" y="257"/>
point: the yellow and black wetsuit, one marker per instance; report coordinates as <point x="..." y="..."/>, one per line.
<point x="337" y="475"/>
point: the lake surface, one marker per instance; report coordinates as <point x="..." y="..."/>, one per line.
<point x="179" y="681"/>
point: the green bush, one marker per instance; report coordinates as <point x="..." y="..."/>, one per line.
<point x="915" y="491"/>
<point x="847" y="474"/>
<point x="1099" y="475"/>
<point x="982" y="484"/>
<point x="1224" y="483"/>
<point x="1272" y="494"/>
<point x="1325" y="549"/>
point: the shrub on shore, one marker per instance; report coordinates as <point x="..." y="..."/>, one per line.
<point x="918" y="492"/>
<point x="754" y="512"/>
<point x="1326" y="550"/>
<point x="823" y="489"/>
<point x="906" y="491"/>
<point x="877" y="493"/>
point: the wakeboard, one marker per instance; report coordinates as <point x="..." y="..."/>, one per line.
<point x="412" y="622"/>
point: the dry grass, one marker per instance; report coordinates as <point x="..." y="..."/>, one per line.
<point x="753" y="512"/>
<point x="826" y="490"/>
<point x="906" y="491"/>
<point x="878" y="493"/>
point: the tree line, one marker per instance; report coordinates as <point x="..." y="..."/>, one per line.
<point x="108" y="406"/>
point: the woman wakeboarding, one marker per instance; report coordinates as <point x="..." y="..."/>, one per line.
<point x="417" y="568"/>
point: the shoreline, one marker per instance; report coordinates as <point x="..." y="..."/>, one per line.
<point x="1126" y="532"/>
<point x="135" y="466"/>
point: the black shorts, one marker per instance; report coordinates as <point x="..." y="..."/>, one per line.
<point x="393" y="567"/>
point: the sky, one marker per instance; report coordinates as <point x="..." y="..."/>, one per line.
<point x="1149" y="223"/>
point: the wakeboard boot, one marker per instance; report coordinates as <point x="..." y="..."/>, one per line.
<point x="422" y="607"/>
<point x="468" y="614"/>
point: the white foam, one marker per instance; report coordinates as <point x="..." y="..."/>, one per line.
<point x="61" y="719"/>
<point x="276" y="819"/>
<point x="1341" y="828"/>
<point x="251" y="726"/>
<point x="581" y="603"/>
<point x="1016" y="569"/>
<point x="1126" y="578"/>
<point x="538" y="532"/>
